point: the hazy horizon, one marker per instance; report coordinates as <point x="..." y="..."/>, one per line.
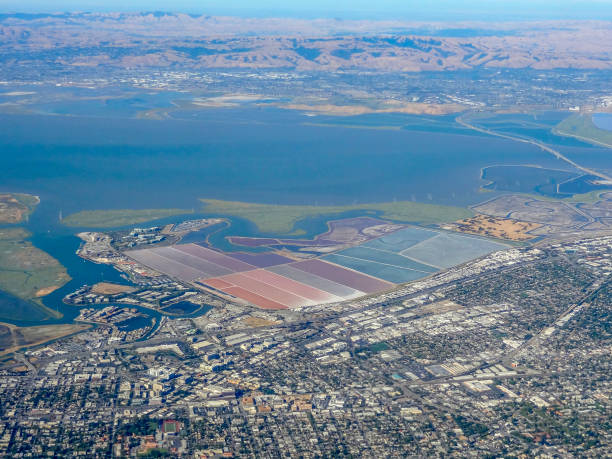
<point x="437" y="10"/>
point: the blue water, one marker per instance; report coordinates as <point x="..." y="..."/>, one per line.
<point x="134" y="323"/>
<point x="603" y="120"/>
<point x="110" y="105"/>
<point x="525" y="179"/>
<point x="77" y="163"/>
<point x="531" y="126"/>
<point x="182" y="307"/>
<point x="272" y="156"/>
<point x="16" y="310"/>
<point x="203" y="234"/>
<point x="60" y="243"/>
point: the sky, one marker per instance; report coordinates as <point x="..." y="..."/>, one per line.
<point x="418" y="10"/>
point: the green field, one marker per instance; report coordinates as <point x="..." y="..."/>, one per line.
<point x="119" y="217"/>
<point x="581" y="127"/>
<point x="281" y="219"/>
<point x="26" y="271"/>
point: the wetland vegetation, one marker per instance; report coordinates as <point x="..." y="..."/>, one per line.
<point x="114" y="218"/>
<point x="16" y="207"/>
<point x="27" y="272"/>
<point x="582" y="127"/>
<point x="281" y="219"/>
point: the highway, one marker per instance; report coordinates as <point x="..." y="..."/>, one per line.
<point x="540" y="145"/>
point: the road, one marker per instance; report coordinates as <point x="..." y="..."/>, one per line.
<point x="540" y="145"/>
<point x="542" y="335"/>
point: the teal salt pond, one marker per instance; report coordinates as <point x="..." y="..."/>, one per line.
<point x="413" y="253"/>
